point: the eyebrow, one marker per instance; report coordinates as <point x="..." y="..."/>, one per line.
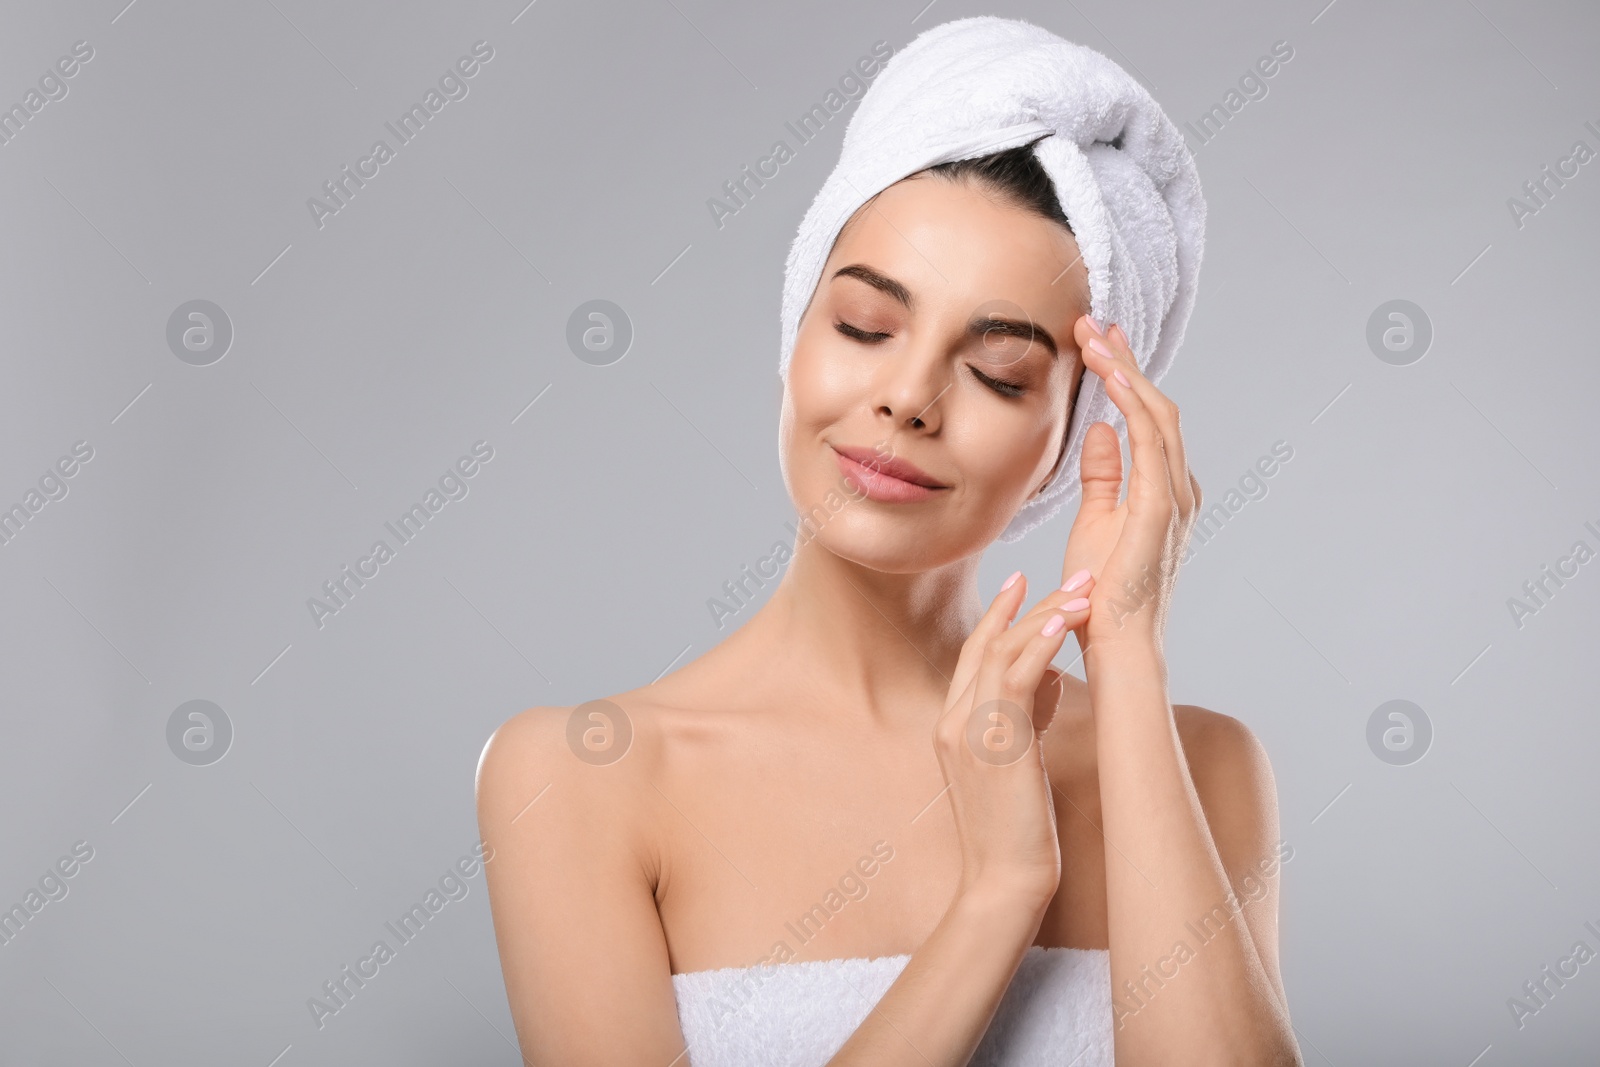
<point x="977" y="328"/>
<point x="881" y="282"/>
<point x="1028" y="331"/>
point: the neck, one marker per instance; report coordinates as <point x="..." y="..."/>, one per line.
<point x="869" y="643"/>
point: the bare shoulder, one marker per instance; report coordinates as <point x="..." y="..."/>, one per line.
<point x="563" y="803"/>
<point x="590" y="761"/>
<point x="1232" y="775"/>
<point x="632" y="736"/>
<point x="521" y="745"/>
<point x="615" y="731"/>
<point x="1220" y="745"/>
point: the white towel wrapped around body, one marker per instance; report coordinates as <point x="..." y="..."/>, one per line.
<point x="1122" y="172"/>
<point x="1057" y="1009"/>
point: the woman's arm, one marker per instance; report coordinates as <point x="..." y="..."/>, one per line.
<point x="939" y="1007"/>
<point x="1190" y="903"/>
<point x="1194" y="975"/>
<point x="1233" y="778"/>
<point x="585" y="961"/>
<point x="988" y="745"/>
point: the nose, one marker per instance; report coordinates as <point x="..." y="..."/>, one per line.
<point x="908" y="389"/>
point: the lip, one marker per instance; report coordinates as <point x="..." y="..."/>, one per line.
<point x="889" y="480"/>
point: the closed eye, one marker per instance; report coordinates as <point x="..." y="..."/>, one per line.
<point x="858" y="334"/>
<point x="999" y="385"/>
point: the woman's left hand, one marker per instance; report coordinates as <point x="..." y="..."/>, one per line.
<point x="1132" y="549"/>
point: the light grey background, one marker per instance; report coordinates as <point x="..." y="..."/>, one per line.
<point x="432" y="310"/>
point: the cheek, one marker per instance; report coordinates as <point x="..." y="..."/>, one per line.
<point x="813" y="400"/>
<point x="1001" y="454"/>
<point x="823" y="387"/>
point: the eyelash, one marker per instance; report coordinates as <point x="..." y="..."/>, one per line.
<point x="999" y="385"/>
<point x="858" y="334"/>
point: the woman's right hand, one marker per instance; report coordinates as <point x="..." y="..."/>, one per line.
<point x="1002" y="697"/>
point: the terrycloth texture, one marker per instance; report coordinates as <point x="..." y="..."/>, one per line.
<point x="974" y="86"/>
<point x="1056" y="1011"/>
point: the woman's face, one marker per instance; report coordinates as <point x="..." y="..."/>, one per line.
<point x="940" y="336"/>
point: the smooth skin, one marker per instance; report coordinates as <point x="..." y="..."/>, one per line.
<point x="839" y="716"/>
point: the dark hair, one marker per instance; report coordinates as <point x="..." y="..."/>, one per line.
<point x="1016" y="174"/>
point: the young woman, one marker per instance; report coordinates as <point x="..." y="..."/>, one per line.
<point x="874" y="825"/>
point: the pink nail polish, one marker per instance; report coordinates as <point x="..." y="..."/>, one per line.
<point x="1100" y="348"/>
<point x="1119" y="376"/>
<point x="1011" y="581"/>
<point x="1054" y="625"/>
<point x="1095" y="325"/>
<point x="1076" y="580"/>
<point x="1076" y="605"/>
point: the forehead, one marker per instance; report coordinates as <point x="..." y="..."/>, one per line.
<point x="958" y="242"/>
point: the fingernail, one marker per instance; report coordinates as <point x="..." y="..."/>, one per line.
<point x="1076" y="605"/>
<point x="1100" y="347"/>
<point x="1054" y="625"/>
<point x="1119" y="376"/>
<point x="1095" y="325"/>
<point x="1076" y="580"/>
<point x="1011" y="581"/>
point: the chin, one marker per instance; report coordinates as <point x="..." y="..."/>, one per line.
<point x="892" y="538"/>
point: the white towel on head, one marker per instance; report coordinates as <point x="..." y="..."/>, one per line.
<point x="1125" y="178"/>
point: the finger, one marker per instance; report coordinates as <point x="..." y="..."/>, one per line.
<point x="1161" y="406"/>
<point x="1013" y="665"/>
<point x="1002" y="609"/>
<point x="1059" y="599"/>
<point x="1100" y="471"/>
<point x="1034" y="663"/>
<point x="1100" y="466"/>
<point x="1166" y="414"/>
<point x="1150" y="485"/>
<point x="1005" y="649"/>
<point x="1096" y="346"/>
<point x="952" y="722"/>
